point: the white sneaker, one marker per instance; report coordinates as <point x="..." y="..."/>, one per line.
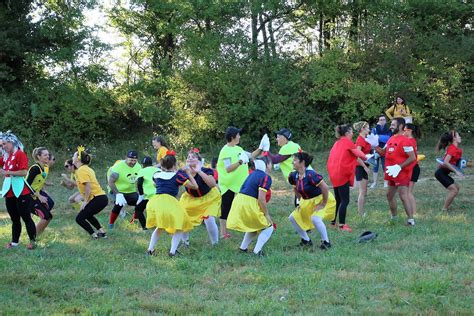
<point x="411" y="222"/>
<point x="373" y="185"/>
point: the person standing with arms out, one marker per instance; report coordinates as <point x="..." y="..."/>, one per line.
<point x="341" y="165"/>
<point x="122" y="182"/>
<point x="159" y="143"/>
<point x="146" y="189"/>
<point x="412" y="132"/>
<point x="95" y="199"/>
<point x="36" y="178"/>
<point x="383" y="131"/>
<point x="17" y="194"/>
<point x="362" y="169"/>
<point x="399" y="156"/>
<point x="449" y="141"/>
<point x="317" y="203"/>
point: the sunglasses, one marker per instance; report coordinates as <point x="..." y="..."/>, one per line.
<point x="67" y="166"/>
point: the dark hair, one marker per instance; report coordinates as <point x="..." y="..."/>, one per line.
<point x="403" y="99"/>
<point x="196" y="154"/>
<point x="231" y="133"/>
<point x="446" y="139"/>
<point x="342" y="130"/>
<point x="400" y="121"/>
<point x="160" y="139"/>
<point x="168" y="162"/>
<point x="302" y="156"/>
<point x="416" y="132"/>
<point x="85" y="158"/>
<point x="70" y="163"/>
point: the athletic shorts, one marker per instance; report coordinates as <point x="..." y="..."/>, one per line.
<point x="442" y="175"/>
<point x="416" y="173"/>
<point x="42" y="210"/>
<point x="361" y="174"/>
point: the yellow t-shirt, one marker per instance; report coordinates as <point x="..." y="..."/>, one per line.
<point x="398" y="110"/>
<point x="86" y="175"/>
<point x="161" y="153"/>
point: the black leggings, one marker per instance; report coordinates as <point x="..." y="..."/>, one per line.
<point x="226" y="204"/>
<point x="21" y="208"/>
<point x="342" y="201"/>
<point x="139" y="210"/>
<point x="86" y="217"/>
<point x="131" y="199"/>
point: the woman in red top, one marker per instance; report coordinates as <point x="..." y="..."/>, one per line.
<point x="412" y="132"/>
<point x="18" y="200"/>
<point x="341" y="165"/>
<point x="449" y="141"/>
<point x="362" y="170"/>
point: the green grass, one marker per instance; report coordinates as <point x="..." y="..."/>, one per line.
<point x="426" y="269"/>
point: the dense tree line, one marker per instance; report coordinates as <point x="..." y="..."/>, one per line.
<point x="194" y="67"/>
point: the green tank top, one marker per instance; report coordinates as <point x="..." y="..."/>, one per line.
<point x="286" y="166"/>
<point x="149" y="188"/>
<point x="127" y="176"/>
<point x="40" y="179"/>
<point x="231" y="180"/>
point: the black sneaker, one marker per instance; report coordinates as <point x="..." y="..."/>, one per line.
<point x="305" y="243"/>
<point x="325" y="245"/>
<point x="102" y="235"/>
<point x="243" y="250"/>
<point x="260" y="253"/>
<point x="171" y="255"/>
<point x="150" y="253"/>
<point x="94" y="236"/>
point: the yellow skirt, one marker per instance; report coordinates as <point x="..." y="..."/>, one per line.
<point x="305" y="211"/>
<point x="200" y="208"/>
<point x="245" y="215"/>
<point x="164" y="211"/>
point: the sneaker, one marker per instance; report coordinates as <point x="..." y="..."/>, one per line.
<point x="111" y="226"/>
<point x="372" y="186"/>
<point x="411" y="222"/>
<point x="243" y="250"/>
<point x="31" y="245"/>
<point x="95" y="236"/>
<point x="144" y="229"/>
<point x="226" y="236"/>
<point x="325" y="245"/>
<point x="150" y="253"/>
<point x="171" y="255"/>
<point x="260" y="253"/>
<point x="345" y="228"/>
<point x="11" y="245"/>
<point x="101" y="235"/>
<point x="305" y="243"/>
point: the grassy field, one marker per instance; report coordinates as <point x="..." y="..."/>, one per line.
<point x="426" y="269"/>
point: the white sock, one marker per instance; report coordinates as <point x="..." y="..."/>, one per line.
<point x="212" y="229"/>
<point x="175" y="240"/>
<point x="298" y="229"/>
<point x="153" y="240"/>
<point x="248" y="237"/>
<point x="186" y="238"/>
<point x="262" y="239"/>
<point x="319" y="224"/>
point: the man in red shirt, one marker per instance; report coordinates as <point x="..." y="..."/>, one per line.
<point x="399" y="155"/>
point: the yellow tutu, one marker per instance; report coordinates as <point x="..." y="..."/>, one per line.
<point x="305" y="211"/>
<point x="164" y="211"/>
<point x="245" y="215"/>
<point x="199" y="208"/>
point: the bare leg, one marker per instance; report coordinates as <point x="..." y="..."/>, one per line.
<point x="392" y="190"/>
<point x="404" y="196"/>
<point x="40" y="227"/>
<point x="362" y="193"/>
<point x="453" y="190"/>
<point x="411" y="187"/>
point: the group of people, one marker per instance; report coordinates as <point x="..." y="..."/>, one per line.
<point x="236" y="191"/>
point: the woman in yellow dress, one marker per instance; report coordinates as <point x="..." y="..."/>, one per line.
<point x="163" y="209"/>
<point x="249" y="213"/>
<point x="203" y="204"/>
<point x="316" y="202"/>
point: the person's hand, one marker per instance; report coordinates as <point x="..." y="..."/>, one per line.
<point x="42" y="199"/>
<point x="269" y="219"/>
<point x="244" y="158"/>
<point x="3" y="172"/>
<point x="394" y="170"/>
<point x="459" y="174"/>
<point x="120" y="200"/>
<point x="198" y="167"/>
<point x="319" y="207"/>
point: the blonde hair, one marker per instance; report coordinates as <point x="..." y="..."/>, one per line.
<point x="37" y="152"/>
<point x="359" y="125"/>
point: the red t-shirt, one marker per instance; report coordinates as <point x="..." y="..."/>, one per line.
<point x="414" y="145"/>
<point x="455" y="153"/>
<point x="15" y="162"/>
<point x="396" y="152"/>
<point x="364" y="145"/>
<point x="341" y="162"/>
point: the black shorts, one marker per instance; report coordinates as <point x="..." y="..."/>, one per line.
<point x="42" y="210"/>
<point x="442" y="175"/>
<point x="361" y="174"/>
<point x="226" y="204"/>
<point x="416" y="173"/>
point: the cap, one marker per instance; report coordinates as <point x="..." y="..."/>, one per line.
<point x="231" y="132"/>
<point x="132" y="154"/>
<point x="285" y="132"/>
<point x="147" y="161"/>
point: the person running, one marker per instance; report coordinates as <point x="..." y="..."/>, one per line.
<point x="399" y="158"/>
<point x="69" y="182"/>
<point x="95" y="199"/>
<point x="159" y="144"/>
<point x="362" y="169"/>
<point x="341" y="165"/>
<point x="450" y="142"/>
<point x="203" y="204"/>
<point x="382" y="130"/>
<point x="249" y="212"/>
<point x="164" y="213"/>
<point x="146" y="189"/>
<point x="36" y="178"/>
<point x="413" y="133"/>
<point x="122" y="183"/>
<point x="316" y="202"/>
<point x="18" y="199"/>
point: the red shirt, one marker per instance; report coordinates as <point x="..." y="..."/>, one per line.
<point x="455" y="153"/>
<point x="396" y="153"/>
<point x="16" y="161"/>
<point x="341" y="162"/>
<point x="364" y="145"/>
<point x="413" y="143"/>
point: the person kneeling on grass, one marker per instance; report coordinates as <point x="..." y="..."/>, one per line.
<point x="316" y="202"/>
<point x="95" y="199"/>
<point x="163" y="210"/>
<point x="249" y="213"/>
